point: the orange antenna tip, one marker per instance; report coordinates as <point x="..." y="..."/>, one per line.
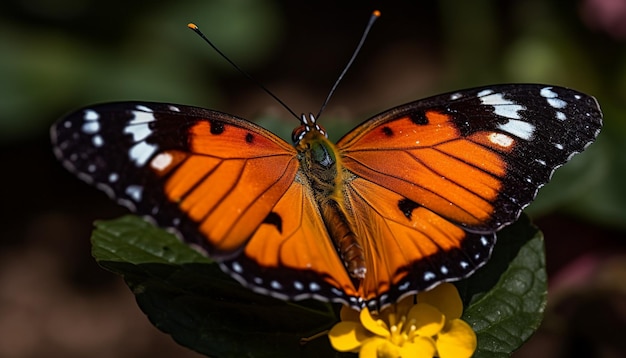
<point x="376" y="13"/>
<point x="192" y="26"/>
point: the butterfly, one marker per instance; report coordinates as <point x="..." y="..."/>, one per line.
<point x="410" y="198"/>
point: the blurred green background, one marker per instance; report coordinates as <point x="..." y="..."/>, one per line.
<point x="58" y="56"/>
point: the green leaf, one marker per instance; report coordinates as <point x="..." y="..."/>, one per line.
<point x="130" y="239"/>
<point x="506" y="298"/>
<point x="187" y="296"/>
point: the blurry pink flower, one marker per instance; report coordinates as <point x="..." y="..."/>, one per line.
<point x="606" y="15"/>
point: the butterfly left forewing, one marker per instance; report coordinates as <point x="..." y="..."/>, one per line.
<point x="475" y="157"/>
<point x="210" y="176"/>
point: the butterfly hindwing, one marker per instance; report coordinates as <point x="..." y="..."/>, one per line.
<point x="208" y="175"/>
<point x="292" y="255"/>
<point x="409" y="248"/>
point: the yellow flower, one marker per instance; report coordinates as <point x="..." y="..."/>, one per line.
<point x="431" y="327"/>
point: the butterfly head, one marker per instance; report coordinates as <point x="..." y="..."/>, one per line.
<point x="308" y="125"/>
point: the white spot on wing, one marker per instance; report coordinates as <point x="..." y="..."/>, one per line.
<point x="237" y="267"/>
<point x="138" y="126"/>
<point x="144" y="108"/>
<point x="141" y="152"/>
<point x="502" y="107"/>
<point x="557" y="103"/>
<point x="97" y="141"/>
<point x="552" y="98"/>
<point x="500" y="139"/>
<point x="561" y="116"/>
<point x="113" y="177"/>
<point x="91" y="127"/>
<point x="161" y="161"/>
<point x="141" y="117"/>
<point x="134" y="192"/>
<point x="91" y="115"/>
<point x="547" y="92"/>
<point x="519" y="129"/>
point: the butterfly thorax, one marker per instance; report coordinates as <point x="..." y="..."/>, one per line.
<point x="321" y="168"/>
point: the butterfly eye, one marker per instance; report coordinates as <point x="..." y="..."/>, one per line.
<point x="298" y="133"/>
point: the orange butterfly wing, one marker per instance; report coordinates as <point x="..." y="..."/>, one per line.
<point x="206" y="174"/>
<point x="227" y="185"/>
<point x="230" y="179"/>
<point x="292" y="255"/>
<point x="438" y="177"/>
<point x="430" y="164"/>
<point x="411" y="249"/>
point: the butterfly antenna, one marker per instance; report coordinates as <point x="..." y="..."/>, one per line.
<point x="375" y="15"/>
<point x="195" y="29"/>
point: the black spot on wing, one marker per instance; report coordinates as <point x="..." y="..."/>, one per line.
<point x="407" y="206"/>
<point x="419" y="118"/>
<point x="275" y="220"/>
<point x="388" y="132"/>
<point x="217" y="127"/>
<point x="249" y="138"/>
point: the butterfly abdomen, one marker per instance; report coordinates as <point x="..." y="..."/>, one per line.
<point x="344" y="238"/>
<point x="318" y="156"/>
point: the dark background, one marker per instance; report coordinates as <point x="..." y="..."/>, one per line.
<point x="55" y="57"/>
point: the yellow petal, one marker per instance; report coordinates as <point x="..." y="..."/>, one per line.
<point x="347" y="336"/>
<point x="373" y="325"/>
<point x="458" y="341"/>
<point x="377" y="347"/>
<point x="418" y="348"/>
<point x="446" y="298"/>
<point x="428" y="321"/>
<point x="399" y="309"/>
